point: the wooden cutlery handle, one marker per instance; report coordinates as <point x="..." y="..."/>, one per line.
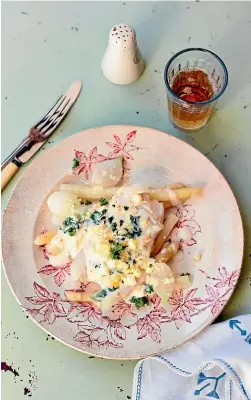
<point x="7" y="173"/>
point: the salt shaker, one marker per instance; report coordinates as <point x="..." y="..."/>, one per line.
<point x="122" y="63"/>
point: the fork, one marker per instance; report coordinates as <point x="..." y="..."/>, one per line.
<point x="39" y="133"/>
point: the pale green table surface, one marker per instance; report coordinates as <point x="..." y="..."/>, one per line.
<point x="47" y="45"/>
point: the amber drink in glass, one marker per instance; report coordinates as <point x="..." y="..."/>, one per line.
<point x="195" y="78"/>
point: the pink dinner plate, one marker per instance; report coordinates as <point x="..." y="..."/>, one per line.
<point x="151" y="157"/>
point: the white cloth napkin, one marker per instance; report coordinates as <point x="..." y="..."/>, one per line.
<point x="216" y="365"/>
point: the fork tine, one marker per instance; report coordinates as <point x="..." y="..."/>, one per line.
<point x="54" y="123"/>
<point x="57" y="104"/>
<point x="57" y="113"/>
<point x="51" y="112"/>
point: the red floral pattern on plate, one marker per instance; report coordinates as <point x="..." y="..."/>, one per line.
<point x="125" y="312"/>
<point x="150" y="324"/>
<point x="215" y="299"/>
<point x="98" y="331"/>
<point x="186" y="215"/>
<point x="80" y="313"/>
<point x="101" y="330"/>
<point x="97" y="336"/>
<point x="50" y="306"/>
<point x="224" y="278"/>
<point x="60" y="272"/>
<point x="86" y="161"/>
<point x="185" y="305"/>
<point x="120" y="149"/>
<point x="123" y="148"/>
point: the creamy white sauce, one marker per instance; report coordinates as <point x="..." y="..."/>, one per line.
<point x="130" y="220"/>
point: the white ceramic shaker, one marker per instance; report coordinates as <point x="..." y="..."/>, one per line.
<point x="122" y="63"/>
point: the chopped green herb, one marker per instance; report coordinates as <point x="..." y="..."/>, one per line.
<point x="134" y="220"/>
<point x="110" y="219"/>
<point x="185" y="274"/>
<point x="126" y="208"/>
<point x="113" y="205"/>
<point x="121" y="222"/>
<point x="128" y="234"/>
<point x="134" y="262"/>
<point x="139" y="301"/>
<point x="148" y="289"/>
<point x="135" y="230"/>
<point x="103" y="202"/>
<point x="115" y="251"/>
<point x="100" y="295"/>
<point x="88" y="202"/>
<point x="70" y="225"/>
<point x="98" y="216"/>
<point x="97" y="266"/>
<point x="114" y="226"/>
<point x="111" y="289"/>
<point x="75" y="163"/>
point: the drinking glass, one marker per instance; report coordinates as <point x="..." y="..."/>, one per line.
<point x="195" y="78"/>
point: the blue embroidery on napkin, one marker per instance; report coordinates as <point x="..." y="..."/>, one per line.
<point x="248" y="339"/>
<point x="139" y="383"/>
<point x="213" y="393"/>
<point x="235" y="374"/>
<point x="173" y="366"/>
<point x="230" y="388"/>
<point x="234" y="323"/>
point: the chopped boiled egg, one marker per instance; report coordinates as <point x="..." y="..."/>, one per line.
<point x="110" y="241"/>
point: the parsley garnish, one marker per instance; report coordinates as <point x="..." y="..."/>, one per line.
<point x="111" y="289"/>
<point x="75" y="163"/>
<point x="103" y="202"/>
<point x="97" y="216"/>
<point x="114" y="226"/>
<point x="115" y="251"/>
<point x="148" y="289"/>
<point x="88" y="202"/>
<point x="70" y="225"/>
<point x="135" y="230"/>
<point x="126" y="208"/>
<point x="139" y="301"/>
<point x="185" y="274"/>
<point x="100" y="295"/>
